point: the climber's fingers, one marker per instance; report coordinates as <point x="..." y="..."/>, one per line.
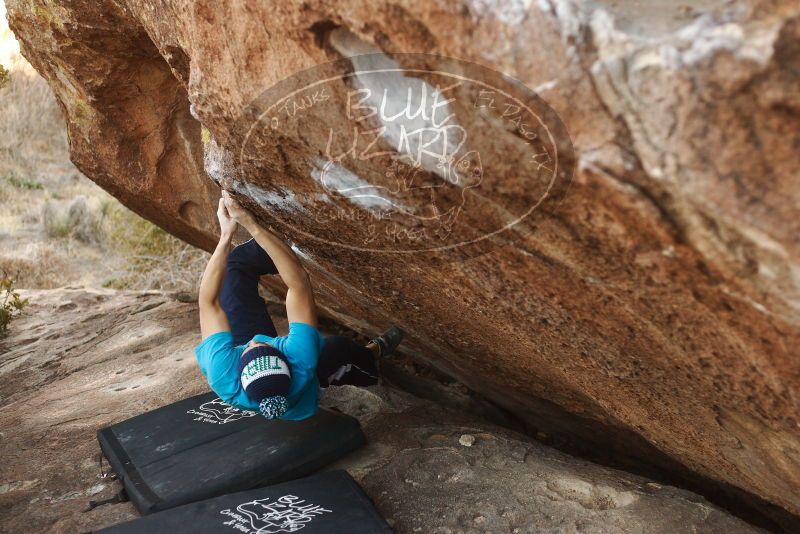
<point x="222" y="210"/>
<point x="234" y="208"/>
<point x="227" y="224"/>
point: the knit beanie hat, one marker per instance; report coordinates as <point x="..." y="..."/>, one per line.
<point x="266" y="378"/>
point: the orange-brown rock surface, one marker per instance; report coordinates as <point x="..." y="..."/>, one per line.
<point x="658" y="302"/>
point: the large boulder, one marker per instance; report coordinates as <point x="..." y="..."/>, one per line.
<point x="654" y="308"/>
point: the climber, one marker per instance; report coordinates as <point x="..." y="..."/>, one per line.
<point x="244" y="360"/>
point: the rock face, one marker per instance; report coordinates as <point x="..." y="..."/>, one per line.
<point x="79" y="360"/>
<point x="655" y="308"/>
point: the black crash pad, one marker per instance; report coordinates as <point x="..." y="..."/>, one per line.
<point x="328" y="503"/>
<point x="200" y="448"/>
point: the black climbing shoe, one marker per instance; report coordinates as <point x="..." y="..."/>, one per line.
<point x="388" y="341"/>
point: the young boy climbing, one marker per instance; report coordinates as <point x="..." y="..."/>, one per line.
<point x="244" y="360"/>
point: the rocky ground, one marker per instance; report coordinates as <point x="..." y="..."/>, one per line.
<point x="80" y="359"/>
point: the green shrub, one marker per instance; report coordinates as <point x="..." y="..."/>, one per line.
<point x="10" y="303"/>
<point x="22" y="183"/>
<point x="55" y="221"/>
<point x="4" y="77"/>
<point x="77" y="219"/>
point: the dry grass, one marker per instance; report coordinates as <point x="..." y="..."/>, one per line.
<point x="10" y="303"/>
<point x="57" y="227"/>
<point x="32" y="133"/>
<point x="42" y="270"/>
<point x="3" y="76"/>
<point x="157" y="259"/>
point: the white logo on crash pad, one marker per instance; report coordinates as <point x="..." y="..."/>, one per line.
<point x="218" y="412"/>
<point x="267" y="516"/>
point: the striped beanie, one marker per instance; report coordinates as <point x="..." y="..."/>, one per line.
<point x="266" y="378"/>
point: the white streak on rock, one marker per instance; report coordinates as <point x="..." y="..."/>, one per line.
<point x="280" y="199"/>
<point x="705" y="40"/>
<point x="546" y="86"/>
<point x="696" y="41"/>
<point x="300" y="252"/>
<point x="336" y="178"/>
<point x="511" y="12"/>
<point x="218" y="164"/>
<point x="408" y="133"/>
<point x="544" y="6"/>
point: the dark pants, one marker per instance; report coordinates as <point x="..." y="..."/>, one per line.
<point x="342" y="360"/>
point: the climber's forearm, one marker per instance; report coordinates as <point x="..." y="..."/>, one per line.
<point x="211" y="283"/>
<point x="212" y="316"/>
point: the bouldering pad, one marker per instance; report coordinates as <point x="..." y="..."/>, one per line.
<point x="328" y="503"/>
<point x="201" y="447"/>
